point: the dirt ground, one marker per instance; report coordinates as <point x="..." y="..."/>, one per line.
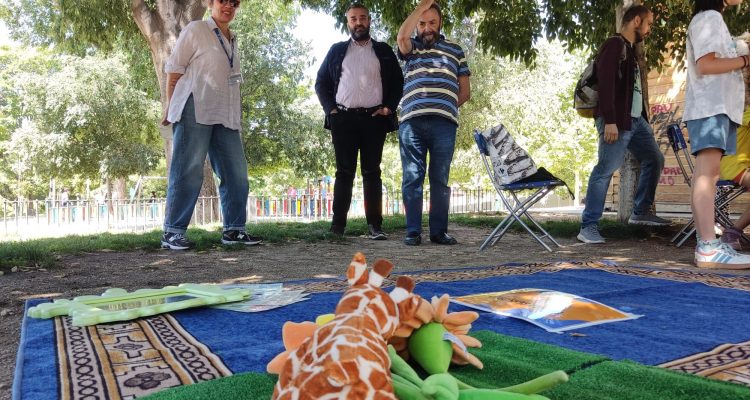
<point x="93" y="273"/>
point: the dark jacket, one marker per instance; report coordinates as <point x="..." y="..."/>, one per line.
<point x="391" y="77"/>
<point x="616" y="79"/>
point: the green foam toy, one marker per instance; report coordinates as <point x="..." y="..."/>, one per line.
<point x="427" y="345"/>
<point x="443" y="386"/>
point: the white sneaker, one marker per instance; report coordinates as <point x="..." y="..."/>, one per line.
<point x="716" y="254"/>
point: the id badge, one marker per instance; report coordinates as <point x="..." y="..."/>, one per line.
<point x="235" y="79"/>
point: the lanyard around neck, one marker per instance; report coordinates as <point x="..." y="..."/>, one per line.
<point x="221" y="41"/>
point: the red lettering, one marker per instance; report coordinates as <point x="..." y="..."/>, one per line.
<point x="661" y="108"/>
<point x="666" y="180"/>
<point x="671" y="171"/>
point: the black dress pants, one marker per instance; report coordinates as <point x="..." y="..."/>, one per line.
<point x="352" y="134"/>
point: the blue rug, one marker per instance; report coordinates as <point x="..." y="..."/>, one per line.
<point x="692" y="322"/>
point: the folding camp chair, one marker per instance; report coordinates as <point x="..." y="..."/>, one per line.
<point x="726" y="191"/>
<point x="515" y="206"/>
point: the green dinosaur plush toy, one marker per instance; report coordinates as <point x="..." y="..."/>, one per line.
<point x="443" y="386"/>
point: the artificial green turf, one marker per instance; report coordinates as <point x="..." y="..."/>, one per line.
<point x="627" y="380"/>
<point x="243" y="386"/>
<point x="510" y="360"/>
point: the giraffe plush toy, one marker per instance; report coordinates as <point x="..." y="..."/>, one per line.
<point x="347" y="358"/>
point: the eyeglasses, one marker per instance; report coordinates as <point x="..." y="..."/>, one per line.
<point x="231" y="3"/>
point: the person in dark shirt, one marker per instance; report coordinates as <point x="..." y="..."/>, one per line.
<point x="359" y="86"/>
<point x="622" y="123"/>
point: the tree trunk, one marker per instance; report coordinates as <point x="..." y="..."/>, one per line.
<point x="630" y="168"/>
<point x="161" y="27"/>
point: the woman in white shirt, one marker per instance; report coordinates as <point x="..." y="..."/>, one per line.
<point x="203" y="93"/>
<point x="713" y="110"/>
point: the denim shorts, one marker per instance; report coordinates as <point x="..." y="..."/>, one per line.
<point x="714" y="132"/>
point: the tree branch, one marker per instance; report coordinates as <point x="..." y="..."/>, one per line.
<point x="143" y="17"/>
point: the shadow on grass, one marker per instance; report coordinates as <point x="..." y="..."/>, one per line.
<point x="46" y="252"/>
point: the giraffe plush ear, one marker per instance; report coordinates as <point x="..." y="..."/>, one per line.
<point x="404" y="287"/>
<point x="356" y="274"/>
<point x="380" y="270"/>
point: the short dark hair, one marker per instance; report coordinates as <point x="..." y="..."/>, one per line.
<point x="635" y="11"/>
<point x="705" y="5"/>
<point x="357" y="5"/>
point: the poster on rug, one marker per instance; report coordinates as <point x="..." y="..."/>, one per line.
<point x="264" y="297"/>
<point x="548" y="309"/>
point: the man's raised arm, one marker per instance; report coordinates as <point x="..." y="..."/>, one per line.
<point x="407" y="28"/>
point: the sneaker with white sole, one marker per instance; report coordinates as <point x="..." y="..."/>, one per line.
<point x="715" y="254"/>
<point x="648" y="219"/>
<point x="175" y="241"/>
<point x="239" y="237"/>
<point x="376" y="233"/>
<point x="590" y="234"/>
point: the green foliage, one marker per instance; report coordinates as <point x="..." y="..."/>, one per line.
<point x="17" y="178"/>
<point x="73" y="26"/>
<point x="135" y="52"/>
<point x="84" y="117"/>
<point x="281" y="132"/>
<point x="535" y="105"/>
<point x="512" y="28"/>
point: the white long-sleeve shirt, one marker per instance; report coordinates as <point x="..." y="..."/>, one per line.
<point x="199" y="56"/>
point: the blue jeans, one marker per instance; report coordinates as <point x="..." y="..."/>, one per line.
<point x="417" y="137"/>
<point x="641" y="143"/>
<point x="191" y="143"/>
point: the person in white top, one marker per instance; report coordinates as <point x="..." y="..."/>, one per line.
<point x="203" y="95"/>
<point x="713" y="110"/>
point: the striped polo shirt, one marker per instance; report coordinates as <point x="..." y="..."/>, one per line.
<point x="431" y="79"/>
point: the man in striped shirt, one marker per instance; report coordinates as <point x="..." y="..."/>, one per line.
<point x="436" y="84"/>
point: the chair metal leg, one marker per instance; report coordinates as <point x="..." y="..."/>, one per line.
<point x="545" y="233"/>
<point x="683" y="230"/>
<point x="507" y="222"/>
<point x="520" y="209"/>
<point x="492" y="235"/>
<point x="518" y="219"/>
<point x="540" y="194"/>
<point x="687" y="236"/>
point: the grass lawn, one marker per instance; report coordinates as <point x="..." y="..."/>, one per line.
<point x="45" y="252"/>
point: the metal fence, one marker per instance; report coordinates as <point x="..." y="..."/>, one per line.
<point x="39" y="218"/>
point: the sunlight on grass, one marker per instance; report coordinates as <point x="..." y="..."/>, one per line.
<point x="44" y="253"/>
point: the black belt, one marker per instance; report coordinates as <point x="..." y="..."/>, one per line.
<point x="359" y="110"/>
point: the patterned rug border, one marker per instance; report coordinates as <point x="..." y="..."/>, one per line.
<point x="134" y="358"/>
<point x="729" y="362"/>
<point x="483" y="272"/>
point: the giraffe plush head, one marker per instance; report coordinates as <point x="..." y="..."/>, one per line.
<point x="366" y="296"/>
<point x="347" y="358"/>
